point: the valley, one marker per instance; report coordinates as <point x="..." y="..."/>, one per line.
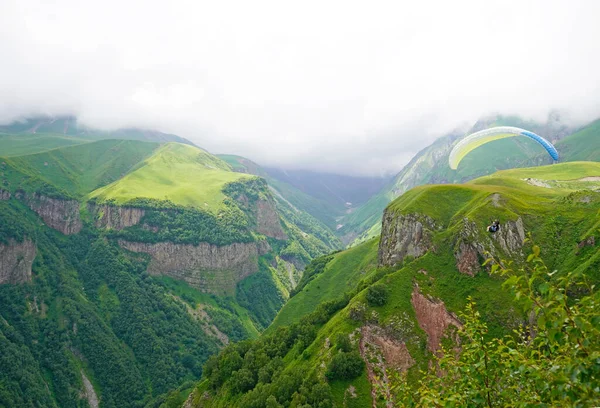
<point x="139" y="270"/>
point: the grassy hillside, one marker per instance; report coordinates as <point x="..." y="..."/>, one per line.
<point x="20" y="144"/>
<point x="340" y="273"/>
<point x="49" y="128"/>
<point x="182" y="174"/>
<point x="558" y="206"/>
<point x="430" y="166"/>
<point x="78" y="170"/>
<point x="581" y="145"/>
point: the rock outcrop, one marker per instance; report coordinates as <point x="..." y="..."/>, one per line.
<point x="88" y="391"/>
<point x="511" y="237"/>
<point x="4" y="195"/>
<point x="267" y="220"/>
<point x="589" y="241"/>
<point x="470" y="250"/>
<point x="115" y="217"/>
<point x="62" y="215"/>
<point x="433" y="318"/>
<point x="473" y="246"/>
<point x="404" y="235"/>
<point x="467" y="259"/>
<point x="16" y="259"/>
<point x="210" y="268"/>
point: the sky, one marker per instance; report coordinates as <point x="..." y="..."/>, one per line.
<point x="340" y="86"/>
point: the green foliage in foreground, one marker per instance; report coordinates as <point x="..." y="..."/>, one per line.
<point x="555" y="361"/>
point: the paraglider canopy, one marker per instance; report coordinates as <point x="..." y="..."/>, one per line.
<point x="474" y="140"/>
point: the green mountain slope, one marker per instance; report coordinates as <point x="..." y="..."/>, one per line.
<point x="430" y="165"/>
<point x="20" y="144"/>
<point x="581" y="145"/>
<point x="182" y="174"/>
<point x="40" y="134"/>
<point x="104" y="245"/>
<point x="78" y="170"/>
<point x="395" y="317"/>
<point x="335" y="275"/>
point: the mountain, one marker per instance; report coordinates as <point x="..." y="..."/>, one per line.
<point x="313" y="214"/>
<point x="39" y="134"/>
<point x="125" y="264"/>
<point x="390" y="304"/>
<point x="341" y="193"/>
<point x="430" y="165"/>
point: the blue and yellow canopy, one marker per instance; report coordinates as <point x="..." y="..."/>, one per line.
<point x="474" y="140"/>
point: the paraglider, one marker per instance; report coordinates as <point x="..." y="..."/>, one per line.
<point x="494" y="227"/>
<point x="474" y="140"/>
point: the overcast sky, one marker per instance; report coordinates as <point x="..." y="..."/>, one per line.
<point x="342" y="86"/>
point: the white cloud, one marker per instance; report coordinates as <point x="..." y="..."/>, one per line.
<point x="351" y="87"/>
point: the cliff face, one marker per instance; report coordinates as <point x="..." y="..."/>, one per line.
<point x="16" y="260"/>
<point x="433" y="318"/>
<point x="404" y="235"/>
<point x="4" y="195"/>
<point x="209" y="268"/>
<point x="267" y="220"/>
<point x="473" y="247"/>
<point x="62" y="215"/>
<point x="115" y="217"/>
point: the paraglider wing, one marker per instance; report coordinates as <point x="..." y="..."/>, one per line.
<point x="474" y="140"/>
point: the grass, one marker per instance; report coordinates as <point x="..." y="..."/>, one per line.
<point x="183" y="174"/>
<point x="582" y="145"/>
<point x="22" y="144"/>
<point x="80" y="169"/>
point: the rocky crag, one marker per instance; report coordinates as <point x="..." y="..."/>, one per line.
<point x="16" y="259"/>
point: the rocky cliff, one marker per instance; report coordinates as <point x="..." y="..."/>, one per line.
<point x="404" y="235"/>
<point x="115" y="217"/>
<point x="62" y="215"/>
<point x="210" y="268"/>
<point x="473" y="245"/>
<point x="16" y="259"/>
<point x="433" y="318"/>
<point x="267" y="220"/>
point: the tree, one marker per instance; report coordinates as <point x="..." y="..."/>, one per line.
<point x="242" y="380"/>
<point x="343" y="342"/>
<point x="345" y="366"/>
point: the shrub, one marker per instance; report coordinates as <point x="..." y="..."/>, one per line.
<point x="377" y="295"/>
<point x="345" y="366"/>
<point x="343" y="343"/>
